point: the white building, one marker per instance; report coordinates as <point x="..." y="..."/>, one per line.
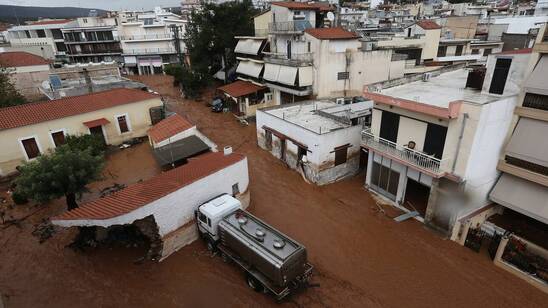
<point x="163" y="206"/>
<point x="431" y="139"/>
<point x="319" y="139"/>
<point x="150" y="40"/>
<point x="44" y="34"/>
<point x="26" y="71"/>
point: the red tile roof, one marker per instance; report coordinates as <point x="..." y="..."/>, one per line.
<point x="292" y="5"/>
<point x="95" y="123"/>
<point x="51" y="22"/>
<point x="515" y="52"/>
<point x="428" y="24"/>
<point x="168" y="128"/>
<point x="240" y="88"/>
<point x="20" y="58"/>
<point x="32" y="113"/>
<point x="331" y="33"/>
<point x="140" y="194"/>
<point x="446" y="113"/>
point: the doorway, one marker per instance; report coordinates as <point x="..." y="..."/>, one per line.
<point x="282" y="149"/>
<point x="385" y="180"/>
<point x="499" y="76"/>
<point x="98" y="131"/>
<point x="416" y="197"/>
<point x="390" y="123"/>
<point x="364" y="157"/>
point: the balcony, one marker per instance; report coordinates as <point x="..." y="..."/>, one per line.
<point x="416" y="159"/>
<point x="289" y="27"/>
<point x="94" y="52"/>
<point x="151" y="37"/>
<point x="294" y="59"/>
<point x="149" y="51"/>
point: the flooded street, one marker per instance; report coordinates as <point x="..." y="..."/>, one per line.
<point x="363" y="258"/>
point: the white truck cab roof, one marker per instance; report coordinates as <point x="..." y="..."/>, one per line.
<point x="220" y="206"/>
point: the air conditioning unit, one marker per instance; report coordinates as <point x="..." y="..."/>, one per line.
<point x="426" y="76"/>
<point x="340" y="101"/>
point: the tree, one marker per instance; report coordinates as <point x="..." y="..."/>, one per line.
<point x="9" y="96"/>
<point x="190" y="81"/>
<point x="209" y="37"/>
<point x="81" y="143"/>
<point x="65" y="172"/>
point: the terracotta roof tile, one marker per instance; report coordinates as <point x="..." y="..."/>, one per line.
<point x="140" y="194"/>
<point x="20" y="58"/>
<point x="428" y="24"/>
<point x="51" y="22"/>
<point x="304" y="6"/>
<point x="32" y="113"/>
<point x="168" y="128"/>
<point x="240" y="88"/>
<point x="331" y="33"/>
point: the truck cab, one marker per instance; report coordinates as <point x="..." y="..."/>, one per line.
<point x="209" y="214"/>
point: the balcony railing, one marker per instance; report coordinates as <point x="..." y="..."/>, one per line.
<point x="146" y="37"/>
<point x="294" y="59"/>
<point x="413" y="157"/>
<point x="296" y="26"/>
<point x="149" y="51"/>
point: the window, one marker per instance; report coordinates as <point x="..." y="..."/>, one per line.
<point x="85" y="20"/>
<point x="235" y="189"/>
<point x="202" y="217"/>
<point x="309" y="47"/>
<point x="341" y="154"/>
<point x="343" y="75"/>
<point x="487" y="52"/>
<point x="41" y="33"/>
<point x="123" y="124"/>
<point x="442" y="51"/>
<point x="536" y="101"/>
<point x="458" y="51"/>
<point x="475" y="51"/>
<point x="58" y="138"/>
<point x="27" y="33"/>
<point x="31" y="148"/>
<point x="500" y="74"/>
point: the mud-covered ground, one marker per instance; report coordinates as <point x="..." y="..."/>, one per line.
<point x="363" y="258"/>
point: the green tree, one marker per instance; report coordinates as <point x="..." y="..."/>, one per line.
<point x="83" y="142"/>
<point x="65" y="172"/>
<point x="9" y="96"/>
<point x="209" y="37"/>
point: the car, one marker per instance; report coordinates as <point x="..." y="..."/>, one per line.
<point x="217" y="105"/>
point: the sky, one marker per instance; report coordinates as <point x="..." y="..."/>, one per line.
<point x="97" y="4"/>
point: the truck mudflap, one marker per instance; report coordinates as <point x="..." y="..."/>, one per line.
<point x="300" y="282"/>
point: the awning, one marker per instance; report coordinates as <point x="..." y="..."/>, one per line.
<point x="130" y="60"/>
<point x="305" y="76"/>
<point x="271" y="72"/>
<point x="249" y="68"/>
<point x="240" y="88"/>
<point x="179" y="150"/>
<point x="248" y="46"/>
<point x="522" y="196"/>
<point x="97" y="122"/>
<point x="288" y="75"/>
<point x="529" y="141"/>
<point x="538" y="80"/>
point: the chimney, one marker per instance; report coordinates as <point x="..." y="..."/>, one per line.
<point x="227" y="150"/>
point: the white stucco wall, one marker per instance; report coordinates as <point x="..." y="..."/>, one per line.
<point x="177" y="209"/>
<point x="193" y="131"/>
<point x="516" y="75"/>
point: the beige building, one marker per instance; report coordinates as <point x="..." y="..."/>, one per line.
<point x="30" y="130"/>
<point x="27" y="71"/>
<point x="459" y="27"/>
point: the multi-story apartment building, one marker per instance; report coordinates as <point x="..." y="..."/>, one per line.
<point x="433" y="145"/>
<point x="150" y="40"/>
<point x="45" y="34"/>
<point x="93" y="39"/>
<point x="522" y="189"/>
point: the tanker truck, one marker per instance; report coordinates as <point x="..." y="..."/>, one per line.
<point x="272" y="262"/>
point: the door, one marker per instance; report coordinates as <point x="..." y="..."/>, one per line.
<point x="499" y="76"/>
<point x="289" y="49"/>
<point x="458" y="52"/>
<point x="98" y="131"/>
<point x="389" y="126"/>
<point x="434" y="141"/>
<point x="385" y="180"/>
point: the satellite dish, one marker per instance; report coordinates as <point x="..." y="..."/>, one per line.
<point x="330" y="16"/>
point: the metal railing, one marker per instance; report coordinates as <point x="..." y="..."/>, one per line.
<point x="295" y="26"/>
<point x="146" y="37"/>
<point x="292" y="59"/>
<point x="149" y="51"/>
<point x="404" y="153"/>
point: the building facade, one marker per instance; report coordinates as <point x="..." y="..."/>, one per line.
<point x="26" y="71"/>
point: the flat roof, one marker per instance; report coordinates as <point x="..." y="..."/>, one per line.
<point x="304" y="115"/>
<point x="439" y="91"/>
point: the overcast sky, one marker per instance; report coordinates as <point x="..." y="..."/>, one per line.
<point x="96" y="4"/>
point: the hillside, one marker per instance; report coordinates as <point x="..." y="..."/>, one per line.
<point x="10" y="13"/>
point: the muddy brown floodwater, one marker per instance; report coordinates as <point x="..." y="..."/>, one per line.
<point x="363" y="258"/>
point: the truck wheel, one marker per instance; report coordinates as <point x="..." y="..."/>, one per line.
<point x="255" y="284"/>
